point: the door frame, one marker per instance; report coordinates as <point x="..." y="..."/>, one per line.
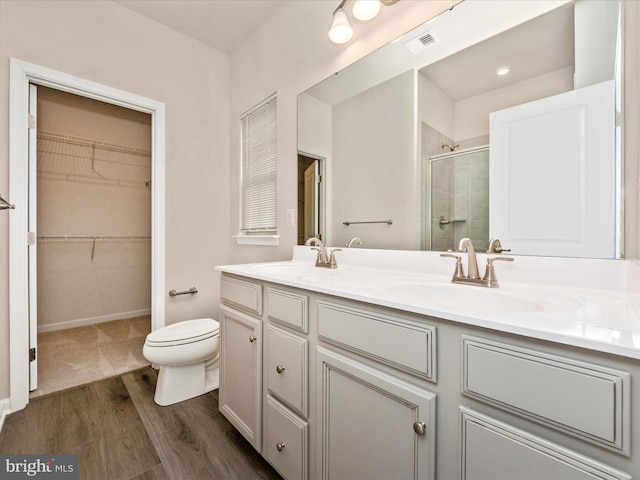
<point x="21" y="75"/>
<point x="323" y="227"/>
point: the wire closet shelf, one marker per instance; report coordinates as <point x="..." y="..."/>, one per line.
<point x="85" y="159"/>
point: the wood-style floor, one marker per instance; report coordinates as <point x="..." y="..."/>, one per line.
<point x="118" y="433"/>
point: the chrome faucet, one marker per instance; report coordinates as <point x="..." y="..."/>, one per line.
<point x="323" y="260"/>
<point x="473" y="277"/>
<point x="354" y="240"/>
<point x="465" y="245"/>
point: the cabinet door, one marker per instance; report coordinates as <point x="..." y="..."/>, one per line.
<point x="241" y="373"/>
<point x="494" y="450"/>
<point x="372" y="425"/>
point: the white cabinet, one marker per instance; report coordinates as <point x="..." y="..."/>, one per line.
<point x="287" y="368"/>
<point x="372" y="424"/>
<point x="555" y="390"/>
<point x="405" y="344"/>
<point x="331" y="388"/>
<point x="286" y="372"/>
<point x="264" y="371"/>
<point x="240" y="397"/>
<point x="491" y="449"/>
<point x="286" y="444"/>
<point x="584" y="400"/>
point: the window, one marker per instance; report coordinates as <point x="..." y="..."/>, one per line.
<point x="259" y="170"/>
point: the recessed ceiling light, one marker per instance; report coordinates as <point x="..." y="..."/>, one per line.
<point x="503" y="70"/>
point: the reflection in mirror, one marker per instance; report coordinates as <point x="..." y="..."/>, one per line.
<point x="459" y="185"/>
<point x="310" y="198"/>
<point x="402" y="132"/>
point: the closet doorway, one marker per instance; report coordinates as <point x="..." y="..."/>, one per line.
<point x="22" y="231"/>
<point x="93" y="224"/>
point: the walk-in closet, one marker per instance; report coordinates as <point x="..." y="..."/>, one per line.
<point x="93" y="239"/>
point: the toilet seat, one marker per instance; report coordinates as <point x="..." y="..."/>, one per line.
<point x="182" y="333"/>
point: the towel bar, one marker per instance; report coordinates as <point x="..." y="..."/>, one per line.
<point x="173" y="293"/>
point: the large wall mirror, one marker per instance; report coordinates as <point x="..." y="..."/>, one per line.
<point x="427" y="141"/>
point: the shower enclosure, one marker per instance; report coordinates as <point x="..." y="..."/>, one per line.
<point x="459" y="197"/>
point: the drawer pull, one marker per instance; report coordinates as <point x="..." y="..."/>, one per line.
<point x="420" y="428"/>
<point x="280" y="368"/>
<point x="280" y="446"/>
<point x="252" y="338"/>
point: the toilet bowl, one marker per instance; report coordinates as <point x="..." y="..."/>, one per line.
<point x="187" y="356"/>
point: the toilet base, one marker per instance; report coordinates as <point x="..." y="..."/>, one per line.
<point x="177" y="384"/>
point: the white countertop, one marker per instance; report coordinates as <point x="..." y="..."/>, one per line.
<point x="586" y="303"/>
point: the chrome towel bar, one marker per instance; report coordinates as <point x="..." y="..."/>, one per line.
<point x="388" y="222"/>
<point x="173" y="293"/>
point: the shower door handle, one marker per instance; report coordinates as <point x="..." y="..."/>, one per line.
<point x="443" y="221"/>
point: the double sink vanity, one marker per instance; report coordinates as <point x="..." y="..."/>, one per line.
<point x="385" y="368"/>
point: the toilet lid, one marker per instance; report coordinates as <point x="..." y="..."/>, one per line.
<point x="184" y="332"/>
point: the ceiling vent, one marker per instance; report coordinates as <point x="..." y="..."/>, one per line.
<point x="422" y="41"/>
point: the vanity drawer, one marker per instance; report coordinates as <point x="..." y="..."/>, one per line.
<point x="288" y="308"/>
<point x="399" y="342"/>
<point x="287" y="368"/>
<point x="239" y="293"/>
<point x="586" y="400"/>
<point x="286" y="441"/>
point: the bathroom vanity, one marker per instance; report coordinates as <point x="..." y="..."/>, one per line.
<point x="382" y="368"/>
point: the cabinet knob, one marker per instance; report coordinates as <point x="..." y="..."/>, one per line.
<point x="280" y="446"/>
<point x="280" y="368"/>
<point x="252" y="338"/>
<point x="420" y="428"/>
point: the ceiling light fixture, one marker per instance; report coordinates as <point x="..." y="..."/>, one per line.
<point x="366" y="10"/>
<point x="503" y="70"/>
<point x="363" y="10"/>
<point x="340" y="31"/>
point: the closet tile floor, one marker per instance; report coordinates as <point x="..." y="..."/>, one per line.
<point x="119" y="433"/>
<point x="76" y="356"/>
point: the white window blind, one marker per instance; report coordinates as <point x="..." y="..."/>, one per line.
<point x="259" y="169"/>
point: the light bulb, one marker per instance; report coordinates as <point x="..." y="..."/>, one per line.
<point x="366" y="9"/>
<point x="340" y="31"/>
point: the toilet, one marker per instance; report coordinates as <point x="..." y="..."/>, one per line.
<point x="187" y="356"/>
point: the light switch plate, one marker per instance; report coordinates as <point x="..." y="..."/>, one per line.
<point x="291" y="217"/>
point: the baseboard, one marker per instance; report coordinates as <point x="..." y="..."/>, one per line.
<point x="81" y="322"/>
<point x="4" y="411"/>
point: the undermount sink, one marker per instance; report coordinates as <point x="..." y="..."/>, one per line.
<point x="308" y="273"/>
<point x="479" y="299"/>
<point x="433" y="294"/>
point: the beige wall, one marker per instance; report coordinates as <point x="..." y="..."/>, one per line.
<point x="109" y="44"/>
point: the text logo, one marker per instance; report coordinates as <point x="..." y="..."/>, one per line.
<point x="49" y="467"/>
